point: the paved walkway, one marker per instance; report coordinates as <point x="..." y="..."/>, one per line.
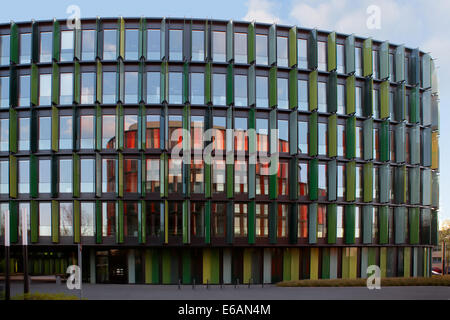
<point x="269" y="292"/>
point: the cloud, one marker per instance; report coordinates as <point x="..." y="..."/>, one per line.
<point x="261" y="11"/>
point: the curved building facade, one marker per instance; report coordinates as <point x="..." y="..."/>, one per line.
<point x="88" y="125"/>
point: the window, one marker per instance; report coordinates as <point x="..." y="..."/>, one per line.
<point x="24" y="90"/>
<point x="240" y="133"/>
<point x="65" y="175"/>
<point x="341" y="99"/>
<point x="108" y="175"/>
<point x="262" y="92"/>
<point x="261" y="49"/>
<point x="302" y="47"/>
<point x="67" y="42"/>
<point x="45" y="89"/>
<point x="153" y="132"/>
<point x="197" y="219"/>
<point x="66" y="88"/>
<point x="340" y="57"/>
<point x="65" y="219"/>
<point x="303" y="137"/>
<point x="131" y="44"/>
<point x="321" y="221"/>
<point x="45" y="173"/>
<point x="45" y="219"/>
<point x="175" y="132"/>
<point x="358" y="102"/>
<point x="262" y="135"/>
<point x="392" y="106"/>
<point x="4" y="92"/>
<point x="357" y="221"/>
<point x="197" y="127"/>
<point x="322" y="137"/>
<point x="322" y="96"/>
<point x="65" y="132"/>
<point x="45" y="133"/>
<point x="240" y="47"/>
<point x="283" y="136"/>
<point x="24" y="176"/>
<point x="153" y="218"/>
<point x="375" y="64"/>
<point x="130" y="175"/>
<point x="153" y="87"/>
<point x="302" y="221"/>
<point x="376" y="190"/>
<point x="130" y="131"/>
<point x="358" y="61"/>
<point x="262" y="220"/>
<point x="198" y="45"/>
<point x="88" y="44"/>
<point x="108" y="132"/>
<point x="87" y="219"/>
<point x="176" y="45"/>
<point x="24" y="206"/>
<point x="282" y="51"/>
<point x="219" y="138"/>
<point x="340" y="140"/>
<point x="175" y="218"/>
<point x="359" y="142"/>
<point x="375" y="224"/>
<point x="359" y="182"/>
<point x="321" y="56"/>
<point x="4" y="49"/>
<point x="153" y="44"/>
<point x="283" y="174"/>
<point x="218" y="46"/>
<point x="407" y="70"/>
<point x="197" y="88"/>
<point x="4" y="177"/>
<point x="46" y="47"/>
<point x="87" y="175"/>
<point x="175" y="177"/>
<point x="282" y="219"/>
<point x="108" y="219"/>
<point x="25" y="48"/>
<point x="219" y="89"/>
<point x="130" y="219"/>
<point x="303" y="95"/>
<point x="340" y="222"/>
<point x="218" y="219"/>
<point x="240" y="176"/>
<point x="4" y="135"/>
<point x="87" y="132"/>
<point x="240" y="220"/>
<point x="376" y="104"/>
<point x="303" y="179"/>
<point x="131" y="87"/>
<point x="340" y="180"/>
<point x="152" y="181"/>
<point x="262" y="179"/>
<point x="392" y="144"/>
<point x="322" y="177"/>
<point x="283" y="96"/>
<point x="218" y="172"/>
<point x="197" y="176"/>
<point x="109" y="87"/>
<point x="240" y="90"/>
<point x="109" y="44"/>
<point x="87" y="88"/>
<point x="175" y="88"/>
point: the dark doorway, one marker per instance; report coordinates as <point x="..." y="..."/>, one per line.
<point x="118" y="270"/>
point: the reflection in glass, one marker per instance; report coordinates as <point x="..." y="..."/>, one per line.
<point x="44" y="176"/>
<point x="322" y="56"/>
<point x="65" y="175"/>
<point x="240" y="47"/>
<point x="282" y="51"/>
<point x="46" y="47"/>
<point x="322" y="175"/>
<point x="45" y="89"/>
<point x="87" y="88"/>
<point x="130" y="219"/>
<point x="109" y="44"/>
<point x="240" y="133"/>
<point x="283" y="96"/>
<point x="67" y="42"/>
<point x="130" y="175"/>
<point x="131" y="44"/>
<point x="219" y="126"/>
<point x="153" y="218"/>
<point x="219" y="89"/>
<point x="322" y="97"/>
<point x="282" y="223"/>
<point x="303" y="137"/>
<point x="24" y="176"/>
<point x="175" y="132"/>
<point x="262" y="220"/>
<point x="4" y="177"/>
<point x="153" y="44"/>
<point x="4" y="49"/>
<point x="321" y="221"/>
<point x="240" y="176"/>
<point x="25" y="48"/>
<point x="341" y="99"/>
<point x="131" y="129"/>
<point x="322" y="137"/>
<point x="283" y="136"/>
<point x="261" y="49"/>
<point x="88" y="44"/>
<point x="175" y="218"/>
<point x="87" y="219"/>
<point x="108" y="219"/>
<point x="218" y="176"/>
<point x="197" y="219"/>
<point x="197" y="176"/>
<point x="66" y="88"/>
<point x="218" y="46"/>
<point x="24" y="206"/>
<point x="198" y="45"/>
<point x="340" y="140"/>
<point x="303" y="95"/>
<point x="109" y="87"/>
<point x="176" y="45"/>
<point x="65" y="132"/>
<point x="283" y="174"/>
<point x="240" y="220"/>
<point x="302" y="46"/>
<point x="175" y="178"/>
<point x="218" y="219"/>
<point x="197" y="88"/>
<point x="358" y="61"/>
<point x="45" y="219"/>
<point x="358" y="101"/>
<point x="4" y="92"/>
<point x="87" y="132"/>
<point x="302" y="231"/>
<point x="240" y="90"/>
<point x="131" y="87"/>
<point x="175" y="88"/>
<point x="108" y="132"/>
<point x="262" y="92"/>
<point x="65" y="219"/>
<point x="340" y="57"/>
<point x="108" y="175"/>
<point x="152" y="181"/>
<point x="24" y="90"/>
<point x="302" y="179"/>
<point x="45" y="132"/>
<point x="153" y="87"/>
<point x="153" y="132"/>
<point x="4" y="135"/>
<point x="87" y="175"/>
<point x="197" y="127"/>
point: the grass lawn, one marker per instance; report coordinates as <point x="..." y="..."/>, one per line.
<point x="387" y="282"/>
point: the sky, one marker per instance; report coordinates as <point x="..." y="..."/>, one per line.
<point x="415" y="23"/>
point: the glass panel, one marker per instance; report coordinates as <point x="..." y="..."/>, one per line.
<point x="108" y="219"/>
<point x="24" y="206"/>
<point x="218" y="171"/>
<point x="108" y="175"/>
<point x="130" y="175"/>
<point x="219" y="138"/>
<point x="283" y="136"/>
<point x="175" y="88"/>
<point x="358" y="101"/>
<point x="67" y="42"/>
<point x="359" y="182"/>
<point x="340" y="181"/>
<point x="282" y="224"/>
<point x="218" y="219"/>
<point x="302" y="137"/>
<point x="359" y="142"/>
<point x="66" y="88"/>
<point x="4" y="92"/>
<point x="303" y="95"/>
<point x="131" y="44"/>
<point x="282" y="51"/>
<point x="197" y="219"/>
<point x="240" y="47"/>
<point x="65" y="175"/>
<point x="46" y="47"/>
<point x="219" y="46"/>
<point x="340" y="222"/>
<point x="131" y="129"/>
<point x="322" y="137"/>
<point x="24" y="176"/>
<point x="45" y="89"/>
<point x="87" y="132"/>
<point x="45" y="173"/>
<point x="375" y="64"/>
<point x="4" y="177"/>
<point x="153" y="87"/>
<point x="240" y="132"/>
<point x="175" y="218"/>
<point x="283" y="96"/>
<point x="302" y="221"/>
<point x="4" y="135"/>
<point x="65" y="132"/>
<point x="175" y="132"/>
<point x="322" y="56"/>
<point x="340" y="57"/>
<point x="262" y="134"/>
<point x="219" y="89"/>
<point x="109" y="44"/>
<point x="198" y="45"/>
<point x="45" y="132"/>
<point x="130" y="219"/>
<point x="340" y="140"/>
<point x="321" y="221"/>
<point x="109" y="132"/>
<point x="88" y="44"/>
<point x="131" y="87"/>
<point x="24" y="90"/>
<point x="283" y="174"/>
<point x="65" y="219"/>
<point x="87" y="175"/>
<point x="153" y="44"/>
<point x="303" y="179"/>
<point x="302" y="47"/>
<point x="4" y="49"/>
<point x="153" y="132"/>
<point x="240" y="220"/>
<point x="153" y="218"/>
<point x="152" y="182"/>
<point x="261" y="49"/>
<point x="341" y="99"/>
<point x="240" y="90"/>
<point x="175" y="178"/>
<point x="109" y="87"/>
<point x="87" y="219"/>
<point x="45" y="219"/>
<point x="262" y="179"/>
<point x="197" y="88"/>
<point x="176" y="44"/>
<point x="197" y="127"/>
<point x="25" y="48"/>
<point x="24" y="134"/>
<point x="358" y="61"/>
<point x="262" y="92"/>
<point x="322" y="97"/>
<point x="87" y="88"/>
<point x="197" y="185"/>
<point x="240" y="176"/>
